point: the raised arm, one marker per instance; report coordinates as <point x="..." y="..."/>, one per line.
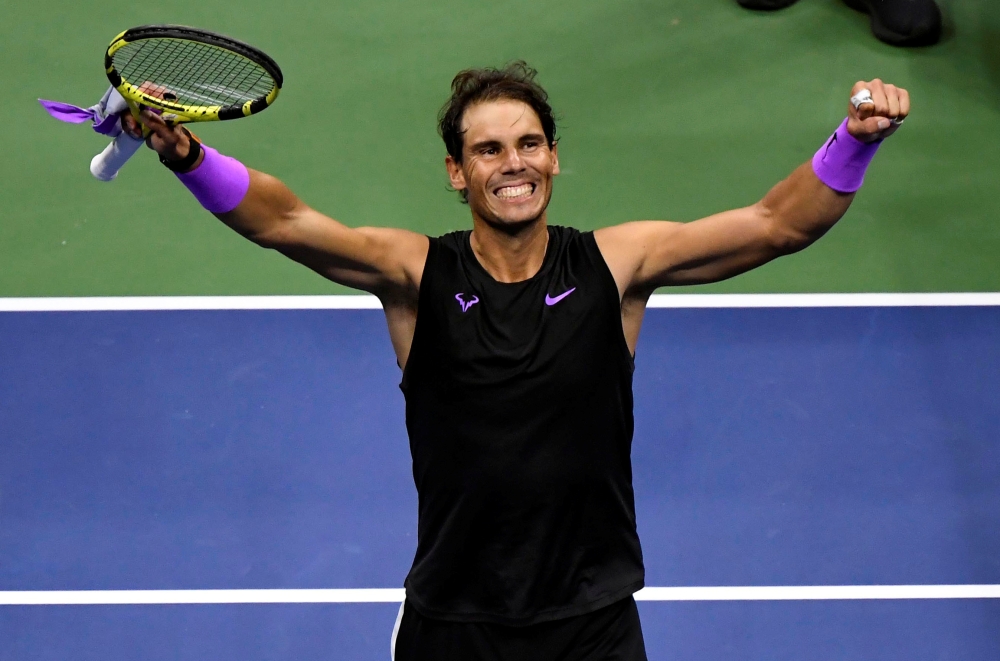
<point x="649" y="254"/>
<point x="385" y="262"/>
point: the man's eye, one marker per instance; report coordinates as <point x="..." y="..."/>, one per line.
<point x="490" y="151"/>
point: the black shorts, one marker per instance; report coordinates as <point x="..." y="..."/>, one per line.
<point x="612" y="633"/>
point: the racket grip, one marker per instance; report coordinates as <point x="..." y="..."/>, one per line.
<point x="105" y="166"/>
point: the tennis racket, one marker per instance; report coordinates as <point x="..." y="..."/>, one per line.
<point x="186" y="75"/>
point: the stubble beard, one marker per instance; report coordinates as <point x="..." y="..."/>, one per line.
<point x="506" y="225"/>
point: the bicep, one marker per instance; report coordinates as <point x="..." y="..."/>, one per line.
<point x="372" y="259"/>
<point x="377" y="260"/>
<point x="650" y="254"/>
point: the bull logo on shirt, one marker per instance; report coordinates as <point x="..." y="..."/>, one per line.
<point x="466" y="304"/>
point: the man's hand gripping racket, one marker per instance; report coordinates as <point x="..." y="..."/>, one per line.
<point x="170" y="75"/>
<point x="170" y="141"/>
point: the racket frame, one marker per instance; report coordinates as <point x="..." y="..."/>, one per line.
<point x="177" y="112"/>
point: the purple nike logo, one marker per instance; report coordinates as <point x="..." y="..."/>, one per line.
<point x="549" y="300"/>
<point x="466" y="304"/>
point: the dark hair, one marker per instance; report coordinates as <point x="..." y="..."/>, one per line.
<point x="515" y="81"/>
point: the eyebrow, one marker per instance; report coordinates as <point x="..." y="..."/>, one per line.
<point x="483" y="144"/>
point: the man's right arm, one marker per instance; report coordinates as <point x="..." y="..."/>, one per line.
<point x="385" y="262"/>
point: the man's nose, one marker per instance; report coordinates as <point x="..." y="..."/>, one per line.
<point x="512" y="161"/>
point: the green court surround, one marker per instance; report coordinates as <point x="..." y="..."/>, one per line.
<point x="669" y="110"/>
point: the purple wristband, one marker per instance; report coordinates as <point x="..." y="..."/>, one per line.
<point x="220" y="182"/>
<point x="842" y="161"/>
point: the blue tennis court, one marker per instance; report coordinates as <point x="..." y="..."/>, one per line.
<point x="261" y="449"/>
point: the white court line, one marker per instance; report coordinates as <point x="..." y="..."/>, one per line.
<point x="278" y="596"/>
<point x="819" y="592"/>
<point x="130" y="303"/>
<point x="366" y="302"/>
<point x="823" y="300"/>
<point x="396" y="595"/>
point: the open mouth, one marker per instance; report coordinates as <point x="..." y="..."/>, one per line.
<point x="515" y="193"/>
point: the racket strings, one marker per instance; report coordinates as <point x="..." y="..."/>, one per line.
<point x="220" y="68"/>
<point x="220" y="73"/>
<point x="198" y="74"/>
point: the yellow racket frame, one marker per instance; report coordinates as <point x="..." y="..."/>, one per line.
<point x="177" y="113"/>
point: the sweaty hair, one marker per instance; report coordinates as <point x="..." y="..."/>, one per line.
<point x="515" y="82"/>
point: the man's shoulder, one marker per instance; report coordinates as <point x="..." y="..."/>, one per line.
<point x="566" y="230"/>
<point x="452" y="240"/>
<point x="571" y="239"/>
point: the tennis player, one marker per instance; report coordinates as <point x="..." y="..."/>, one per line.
<point x="516" y="341"/>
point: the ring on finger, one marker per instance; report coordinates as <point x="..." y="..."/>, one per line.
<point x="861" y="98"/>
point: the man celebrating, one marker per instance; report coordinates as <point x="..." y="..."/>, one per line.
<point x="516" y="341"/>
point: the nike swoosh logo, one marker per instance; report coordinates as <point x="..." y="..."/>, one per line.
<point x="549" y="300"/>
<point x="829" y="145"/>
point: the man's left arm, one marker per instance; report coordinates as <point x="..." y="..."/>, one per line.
<point x="645" y="255"/>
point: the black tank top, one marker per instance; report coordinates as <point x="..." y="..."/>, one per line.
<point x="519" y="413"/>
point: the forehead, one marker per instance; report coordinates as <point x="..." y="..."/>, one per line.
<point x="504" y="119"/>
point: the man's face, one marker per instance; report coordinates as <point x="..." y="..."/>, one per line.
<point x="507" y="166"/>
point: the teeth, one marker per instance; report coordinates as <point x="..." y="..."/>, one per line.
<point x="514" y="191"/>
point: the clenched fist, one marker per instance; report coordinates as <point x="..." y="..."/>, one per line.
<point x="879" y="113"/>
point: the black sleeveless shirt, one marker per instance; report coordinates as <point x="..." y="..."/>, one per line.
<point x="519" y="413"/>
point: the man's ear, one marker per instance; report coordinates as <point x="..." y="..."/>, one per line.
<point x="555" y="159"/>
<point x="455" y="173"/>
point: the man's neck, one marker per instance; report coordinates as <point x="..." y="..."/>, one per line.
<point x="510" y="256"/>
